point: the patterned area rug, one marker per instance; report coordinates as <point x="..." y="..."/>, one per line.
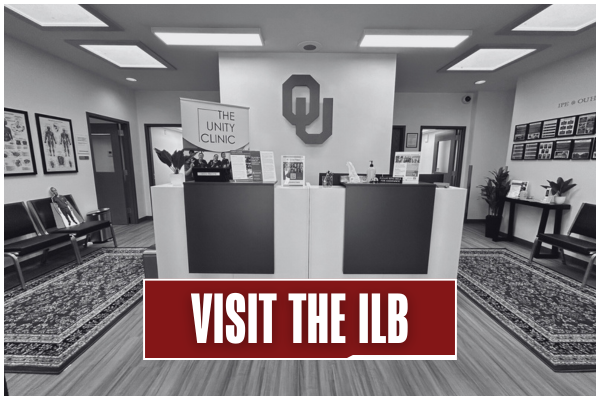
<point x="548" y="312"/>
<point x="60" y="314"/>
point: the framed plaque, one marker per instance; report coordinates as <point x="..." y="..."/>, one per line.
<point x="531" y="151"/>
<point x="562" y="149"/>
<point x="517" y="152"/>
<point x="586" y="124"/>
<point x="549" y="128"/>
<point x="520" y="133"/>
<point x="582" y="149"/>
<point x="545" y="150"/>
<point x="566" y="126"/>
<point x="534" y="130"/>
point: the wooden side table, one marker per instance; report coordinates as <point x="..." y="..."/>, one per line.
<point x="558" y="210"/>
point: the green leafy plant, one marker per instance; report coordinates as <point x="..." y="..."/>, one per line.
<point x="560" y="187"/>
<point x="495" y="190"/>
<point x="174" y="161"/>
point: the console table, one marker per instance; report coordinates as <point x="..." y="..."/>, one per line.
<point x="546" y="207"/>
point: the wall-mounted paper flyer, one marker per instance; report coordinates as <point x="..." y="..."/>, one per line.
<point x="406" y="166"/>
<point x="293" y="170"/>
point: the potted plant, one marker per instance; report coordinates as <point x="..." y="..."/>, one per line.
<point x="494" y="192"/>
<point x="174" y="161"/>
<point x="559" y="188"/>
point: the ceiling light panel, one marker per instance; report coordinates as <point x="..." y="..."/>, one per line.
<point x="124" y="56"/>
<point x="209" y="37"/>
<point x="560" y="18"/>
<point x="57" y="15"/>
<point x="390" y="38"/>
<point x="489" y="59"/>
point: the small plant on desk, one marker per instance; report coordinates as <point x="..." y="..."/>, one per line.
<point x="560" y="187"/>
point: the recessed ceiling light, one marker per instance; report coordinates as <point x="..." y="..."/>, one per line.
<point x="412" y="38"/>
<point x="131" y="79"/>
<point x="57" y="15"/>
<point x="561" y="18"/>
<point x="124" y="56"/>
<point x="489" y="59"/>
<point x="479" y="82"/>
<point x="209" y="37"/>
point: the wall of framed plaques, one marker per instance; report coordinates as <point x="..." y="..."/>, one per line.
<point x="564" y="147"/>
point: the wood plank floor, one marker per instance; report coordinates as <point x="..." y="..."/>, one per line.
<point x="490" y="361"/>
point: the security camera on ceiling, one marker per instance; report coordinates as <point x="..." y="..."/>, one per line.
<point x="467" y="99"/>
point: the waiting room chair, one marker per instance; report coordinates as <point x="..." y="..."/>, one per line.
<point x="19" y="226"/>
<point x="585" y="225"/>
<point x="41" y="209"/>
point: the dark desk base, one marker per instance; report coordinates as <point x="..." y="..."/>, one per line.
<point x="230" y="227"/>
<point x="387" y="228"/>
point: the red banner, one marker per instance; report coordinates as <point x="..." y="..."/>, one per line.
<point x="300" y="319"/>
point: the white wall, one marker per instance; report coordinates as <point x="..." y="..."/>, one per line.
<point x="164" y="139"/>
<point x="158" y="107"/>
<point x="362" y="88"/>
<point x="491" y="133"/>
<point x="37" y="82"/>
<point x="537" y="98"/>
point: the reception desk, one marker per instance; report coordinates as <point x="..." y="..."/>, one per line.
<point x="359" y="232"/>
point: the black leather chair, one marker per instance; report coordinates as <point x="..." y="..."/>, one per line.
<point x="41" y="209"/>
<point x="584" y="225"/>
<point x="18" y="224"/>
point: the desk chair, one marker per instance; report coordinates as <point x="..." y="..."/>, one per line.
<point x="18" y="225"/>
<point x="41" y="209"/>
<point x="585" y="225"/>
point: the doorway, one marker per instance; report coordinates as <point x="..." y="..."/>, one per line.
<point x="442" y="152"/>
<point x="398" y="132"/>
<point x="163" y="137"/>
<point x="110" y="142"/>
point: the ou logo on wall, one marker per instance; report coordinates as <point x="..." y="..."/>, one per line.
<point x="301" y="119"/>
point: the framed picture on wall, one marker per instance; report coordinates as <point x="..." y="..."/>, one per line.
<point x="586" y="124"/>
<point x="534" y="130"/>
<point x="566" y="126"/>
<point x="593" y="157"/>
<point x="520" y="133"/>
<point x="412" y="141"/>
<point x="581" y="149"/>
<point x="562" y="149"/>
<point x="517" y="152"/>
<point x="545" y="150"/>
<point x="18" y="149"/>
<point x="549" y="128"/>
<point x="531" y="151"/>
<point x="56" y="144"/>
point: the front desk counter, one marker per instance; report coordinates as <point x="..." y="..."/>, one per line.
<point x="309" y="232"/>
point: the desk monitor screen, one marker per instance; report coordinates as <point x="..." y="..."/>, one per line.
<point x="211" y="174"/>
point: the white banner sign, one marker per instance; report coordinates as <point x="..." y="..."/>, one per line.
<point x="215" y="127"/>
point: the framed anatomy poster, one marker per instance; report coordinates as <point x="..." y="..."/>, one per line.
<point x="57" y="144"/>
<point x="18" y="150"/>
